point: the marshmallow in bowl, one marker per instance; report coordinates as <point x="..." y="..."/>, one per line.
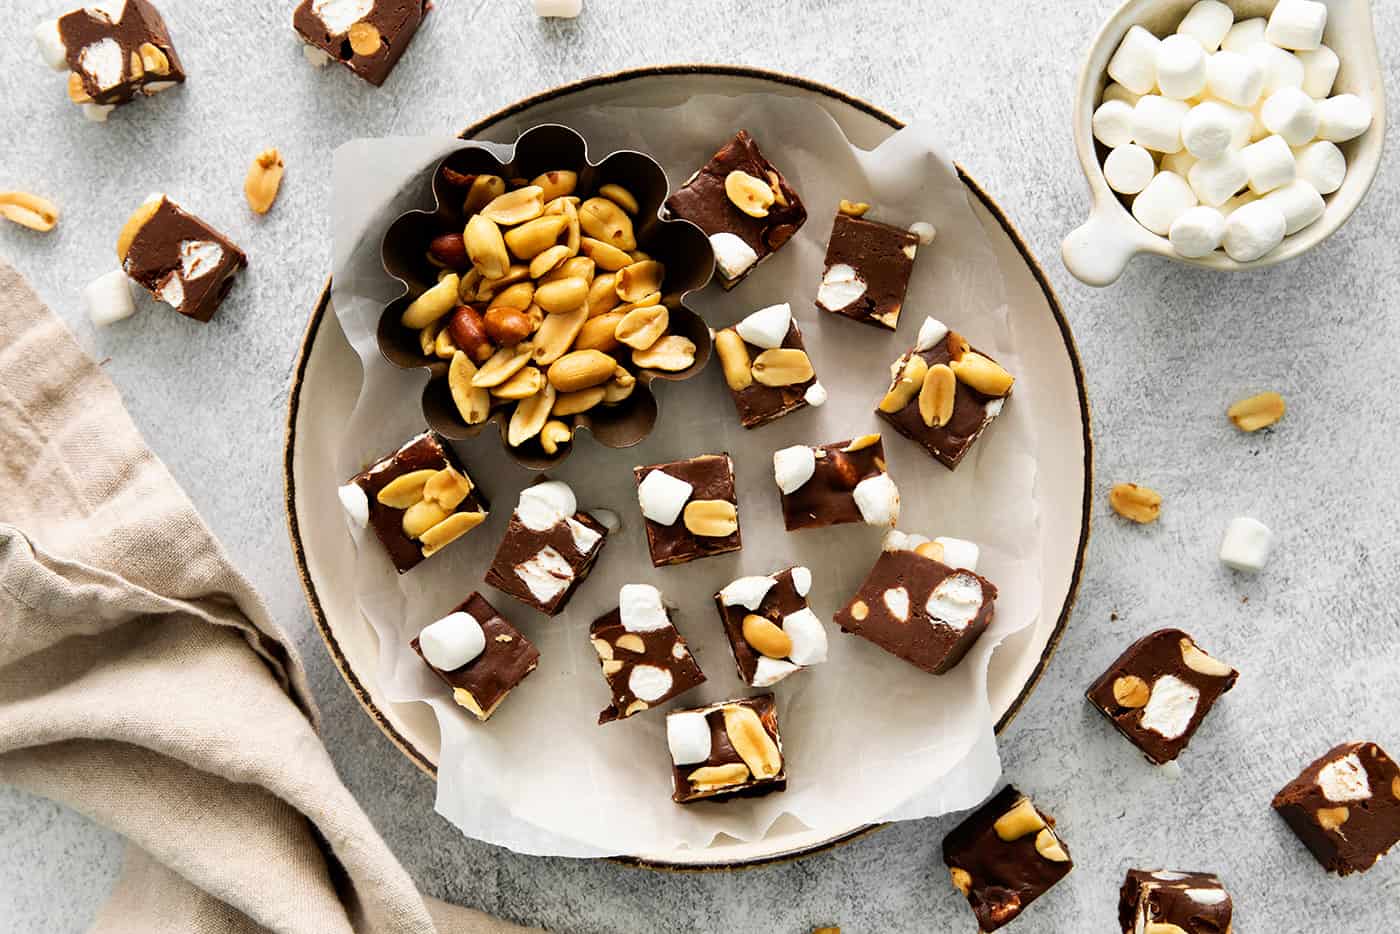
<point x="1322" y="165"/>
<point x="1116" y="92"/>
<point x="1252" y="231"/>
<point x="1281" y="68"/>
<point x="1269" y="163"/>
<point x="1297" y="24"/>
<point x="1157" y="122"/>
<point x="1320" y="67"/>
<point x="1292" y="114"/>
<point x="1113" y="123"/>
<point x="1210" y="128"/>
<point x="1165" y="198"/>
<point x="1178" y="162"/>
<point x="1343" y="117"/>
<point x="1300" y="203"/>
<point x="1216" y="181"/>
<point x="1134" y="65"/>
<point x="1128" y="169"/>
<point x="1207" y="22"/>
<point x="1244" y="34"/>
<point x="1181" y="67"/>
<point x="1234" y="78"/>
<point x="1198" y="232"/>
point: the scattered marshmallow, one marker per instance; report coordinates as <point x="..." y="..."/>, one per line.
<point x="108" y="298"/>
<point x="1297" y="24"/>
<point x="1209" y="129"/>
<point x="793" y="467"/>
<point x="1128" y="169"/>
<point x="766" y="327"/>
<point x="1253" y="230"/>
<point x="1113" y="123"/>
<point x="1157" y="122"/>
<point x="1165" y="198"/>
<point x="98" y="113"/>
<point x="1269" y="163"/>
<point x="688" y="736"/>
<point x="1300" y="203"/>
<point x="1181" y="67"/>
<point x="50" y="43"/>
<point x="1320" y="66"/>
<point x="1343" y="117"/>
<point x="1246" y="544"/>
<point x="1116" y="92"/>
<point x="663" y="496"/>
<point x="1282" y="69"/>
<point x="1292" y="114"/>
<point x="1198" y="232"/>
<point x="564" y="9"/>
<point x="1322" y="165"/>
<point x="1134" y="65"/>
<point x="1207" y="22"/>
<point x="1216" y="181"/>
<point x="959" y="553"/>
<point x="733" y="256"/>
<point x="1178" y="162"/>
<point x="1234" y="78"/>
<point x="453" y="641"/>
<point x="1244" y="34"/>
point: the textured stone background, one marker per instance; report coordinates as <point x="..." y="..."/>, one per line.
<point x="1165" y="350"/>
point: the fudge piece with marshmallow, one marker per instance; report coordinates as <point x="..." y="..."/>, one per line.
<point x="1345" y="807"/>
<point x="771" y="629"/>
<point x="726" y="750"/>
<point x="178" y="258"/>
<point x="548" y="549"/>
<point x="766" y="366"/>
<point x="113" y="51"/>
<point x="1159" y="691"/>
<point x="478" y="654"/>
<point x="914" y="606"/>
<point x="1189" y="902"/>
<point x="868" y="265"/>
<point x="743" y="204"/>
<point x="366" y="36"/>
<point x="644" y="657"/>
<point x="836" y="483"/>
<point x="943" y="393"/>
<point x="691" y="508"/>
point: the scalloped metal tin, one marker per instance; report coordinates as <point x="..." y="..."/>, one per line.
<point x="679" y="244"/>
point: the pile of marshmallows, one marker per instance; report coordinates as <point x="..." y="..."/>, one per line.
<point x="1241" y="116"/>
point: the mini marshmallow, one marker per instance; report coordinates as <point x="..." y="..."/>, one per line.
<point x="1300" y="203"/>
<point x="649" y="683"/>
<point x="1171" y="706"/>
<point x="663" y="496"/>
<point x="1269" y="163"/>
<point x="607" y="519"/>
<point x="766" y="327"/>
<point x="802" y="580"/>
<point x="747" y="592"/>
<point x="808" y="637"/>
<point x="959" y="553"/>
<point x="1343" y="117"/>
<point x="1134" y="65"/>
<point x="1157" y="122"/>
<point x="1320" y="67"/>
<point x="1234" y="78"/>
<point x="1322" y="165"/>
<point x="794" y="466"/>
<point x="564" y="9"/>
<point x="769" y="671"/>
<point x="924" y="231"/>
<point x="108" y="298"/>
<point x="339" y="15"/>
<point x="640" y="609"/>
<point x="1282" y="69"/>
<point x="319" y="58"/>
<point x="1181" y="67"/>
<point x="1207" y="22"/>
<point x="1244" y="127"/>
<point x="1165" y="198"/>
<point x="1246" y="544"/>
<point x="688" y="736"/>
<point x="1128" y="169"/>
<point x="542" y="506"/>
<point x="97" y="113"/>
<point x="877" y="498"/>
<point x="1116" y="92"/>
<point x="733" y="256"/>
<point x="841" y="285"/>
<point x="1292" y="114"/>
<point x="1198" y="232"/>
<point x="1253" y="230"/>
<point x="1209" y="129"/>
<point x="1113" y="123"/>
<point x="1178" y="162"/>
<point x="453" y="641"/>
<point x="50" y="43"/>
<point x="1297" y="24"/>
<point x="815" y="394"/>
<point x="1216" y="180"/>
<point x="355" y="503"/>
<point x="930" y="332"/>
<point x="1244" y="34"/>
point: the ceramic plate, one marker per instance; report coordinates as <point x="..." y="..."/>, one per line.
<point x="327" y="382"/>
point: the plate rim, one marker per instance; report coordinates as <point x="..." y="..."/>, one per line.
<point x="312" y="329"/>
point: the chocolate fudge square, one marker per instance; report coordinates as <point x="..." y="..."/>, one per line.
<point x="178" y="258"/>
<point x="368" y="36"/>
<point x="1005" y="856"/>
<point x="418" y="500"/>
<point x="867" y="270"/>
<point x="645" y="661"/>
<point x="771" y="629"/>
<point x="943" y="394"/>
<point x="548" y="549"/>
<point x="743" y="203"/>
<point x="726" y="750"/>
<point x="691" y="508"/>
<point x="478" y="654"/>
<point x="1189" y="902"/>
<point x="1159" y="691"/>
<point x="836" y="483"/>
<point x="113" y="52"/>
<point x="915" y="607"/>
<point x="766" y="366"/>
<point x="1345" y="807"/>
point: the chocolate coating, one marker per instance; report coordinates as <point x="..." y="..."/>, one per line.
<point x="1359" y="830"/>
<point x="712" y="476"/>
<point x="498" y="670"/>
<point x="883" y="257"/>
<point x="157" y="258"/>
<point x="661" y="648"/>
<point x="141" y="23"/>
<point x="758" y="404"/>
<point x="396" y="20"/>
<point x="827" y="498"/>
<point x="521" y="544"/>
<point x="722" y="752"/>
<point x="781" y="600"/>
<point x="1196" y="902"/>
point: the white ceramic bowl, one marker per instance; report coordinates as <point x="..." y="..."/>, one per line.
<point x="1098" y="251"/>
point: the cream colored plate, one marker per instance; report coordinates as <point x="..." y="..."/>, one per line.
<point x="327" y="381"/>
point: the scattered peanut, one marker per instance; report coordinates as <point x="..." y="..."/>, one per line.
<point x="264" y="181"/>
<point x="1138" y="503"/>
<point x="1257" y="412"/>
<point x="28" y="210"/>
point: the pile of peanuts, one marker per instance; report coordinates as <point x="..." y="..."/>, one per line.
<point x="544" y="304"/>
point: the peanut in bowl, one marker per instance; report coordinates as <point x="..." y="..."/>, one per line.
<point x="545" y="294"/>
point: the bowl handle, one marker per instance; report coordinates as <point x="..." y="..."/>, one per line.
<point x="1097" y="252"/>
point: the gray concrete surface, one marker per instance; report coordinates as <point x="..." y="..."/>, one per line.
<point x="1165" y="350"/>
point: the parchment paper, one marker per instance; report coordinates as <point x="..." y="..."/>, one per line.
<point x="867" y="736"/>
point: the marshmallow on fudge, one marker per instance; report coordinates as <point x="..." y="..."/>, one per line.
<point x="178" y="258"/>
<point x="113" y="51"/>
<point x="1345" y="807"/>
<point x="771" y="629"/>
<point x="366" y="36"/>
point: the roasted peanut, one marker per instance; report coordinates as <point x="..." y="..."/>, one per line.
<point x="473" y="403"/>
<point x="752" y="742"/>
<point x="853" y="208"/>
<point x="638" y="280"/>
<point x="602" y="295"/>
<point x="507" y="326"/>
<point x="432" y="304"/>
<point x="557" y="333"/>
<point x="1022" y="819"/>
<point x="782" y="366"/>
<point x="486" y="247"/>
<point x="642" y="327"/>
<point x="600" y="333"/>
<point x="529" y="416"/>
<point x="572" y="403"/>
<point x="982" y="374"/>
<point x="133" y="224"/>
<point x="468" y="331"/>
<point x="906" y="385"/>
<point x="1138" y="503"/>
<point x="581" y="369"/>
<point x="449" y="530"/>
<point x="404" y="490"/>
<point x="751" y="195"/>
<point x="1131" y="691"/>
<point x="365" y="38"/>
<point x="516" y="207"/>
<point x="603" y="220"/>
<point x="554" y="434"/>
<point x="31" y="211"/>
<point x="1257" y="412"/>
<point x="711" y="518"/>
<point x="606" y="255"/>
<point x="766" y="637"/>
<point x="522" y="385"/>
<point x="484" y="190"/>
<point x="620" y="196"/>
<point x="556" y="184"/>
<point x="937" y="395"/>
<point x="546" y="262"/>
<point x="534" y="237"/>
<point x="1200" y="662"/>
<point x="503" y="364"/>
<point x="671" y="353"/>
<point x="263" y="181"/>
<point x="450" y="250"/>
<point x="562" y="295"/>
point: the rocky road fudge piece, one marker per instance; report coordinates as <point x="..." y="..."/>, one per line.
<point x="548" y="549"/>
<point x="366" y="36"/>
<point x="743" y="203"/>
<point x="645" y="660"/>
<point x="766" y="366"/>
<point x="868" y="265"/>
<point x="836" y="483"/>
<point x="113" y="51"/>
<point x="916" y="607"/>
<point x="1173" y="903"/>
<point x="1159" y="691"/>
<point x="1345" y="807"/>
<point x="418" y="500"/>
<point x="1005" y="856"/>
<point x="691" y="508"/>
<point x="943" y="394"/>
<point x="726" y="750"/>
<point x="478" y="654"/>
<point x="771" y="629"/>
<point x="178" y="258"/>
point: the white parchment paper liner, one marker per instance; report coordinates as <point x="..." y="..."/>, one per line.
<point x="867" y="736"/>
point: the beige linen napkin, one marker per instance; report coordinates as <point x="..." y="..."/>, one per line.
<point x="143" y="684"/>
